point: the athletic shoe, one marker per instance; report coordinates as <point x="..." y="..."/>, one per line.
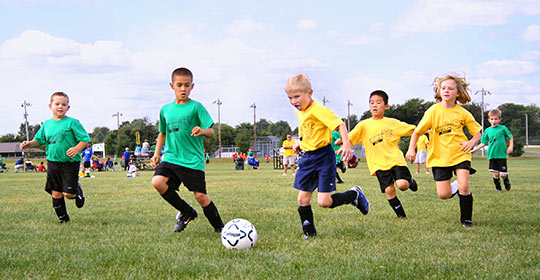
<point x="284" y="174"/>
<point x="79" y="199"/>
<point x="184" y="219"/>
<point x="361" y="202"/>
<point x="309" y="236"/>
<point x="413" y="186"/>
<point x="498" y="189"/>
<point x="218" y="230"/>
<point x="340" y="182"/>
<point x="467" y="223"/>
<point x="427" y="172"/>
<point x="63" y="219"/>
<point x="342" y="167"/>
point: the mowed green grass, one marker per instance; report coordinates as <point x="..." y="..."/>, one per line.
<point x="125" y="230"/>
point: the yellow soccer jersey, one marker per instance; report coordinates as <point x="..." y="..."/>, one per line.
<point x="421" y="144"/>
<point x="316" y="124"/>
<point x="447" y="134"/>
<point x="288" y="152"/>
<point x="380" y="139"/>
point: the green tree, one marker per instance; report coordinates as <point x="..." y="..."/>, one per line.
<point x="10" y="137"/>
<point x="280" y="129"/>
<point x="32" y="130"/>
<point x="243" y="140"/>
<point x="99" y="134"/>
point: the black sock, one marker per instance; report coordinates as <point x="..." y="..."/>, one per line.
<point x="59" y="205"/>
<point x="506" y="182"/>
<point x="306" y="218"/>
<point x="172" y="197"/>
<point x="343" y="198"/>
<point x="212" y="214"/>
<point x="397" y="207"/>
<point x="497" y="182"/>
<point x="338" y="178"/>
<point x="466" y="207"/>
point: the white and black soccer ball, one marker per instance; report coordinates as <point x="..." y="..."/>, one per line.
<point x="239" y="234"/>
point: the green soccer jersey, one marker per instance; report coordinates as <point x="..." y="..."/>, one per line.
<point x="495" y="138"/>
<point x="177" y="121"/>
<point x="59" y="136"/>
<point x="336" y="136"/>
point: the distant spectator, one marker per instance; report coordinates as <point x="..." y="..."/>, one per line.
<point x="41" y="167"/>
<point x="109" y="164"/>
<point x="30" y="166"/>
<point x="19" y="165"/>
<point x="138" y="150"/>
<point x="145" y="148"/>
<point x="127" y="155"/>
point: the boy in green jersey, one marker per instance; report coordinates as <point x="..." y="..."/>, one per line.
<point x="182" y="125"/>
<point x="64" y="138"/>
<point x="495" y="137"/>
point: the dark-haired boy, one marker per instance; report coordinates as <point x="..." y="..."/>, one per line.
<point x="182" y="125"/>
<point x="317" y="167"/>
<point x="380" y="137"/>
<point x="65" y="138"/>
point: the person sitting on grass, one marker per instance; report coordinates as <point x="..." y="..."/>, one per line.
<point x="41" y="167"/>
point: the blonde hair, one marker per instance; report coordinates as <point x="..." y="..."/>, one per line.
<point x="298" y="82"/>
<point x="495" y="112"/>
<point x="462" y="88"/>
<point x="61" y="94"/>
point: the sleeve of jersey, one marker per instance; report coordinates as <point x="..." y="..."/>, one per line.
<point x="355" y="136"/>
<point x="162" y="122"/>
<point x="508" y="133"/>
<point x="80" y="133"/>
<point x="40" y="136"/>
<point x="404" y="129"/>
<point x="484" y="140"/>
<point x="425" y="123"/>
<point x="472" y="125"/>
<point x="204" y="117"/>
<point x="329" y="119"/>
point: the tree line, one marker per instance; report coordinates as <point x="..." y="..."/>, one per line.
<point x="241" y="135"/>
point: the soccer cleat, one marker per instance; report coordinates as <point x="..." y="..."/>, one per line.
<point x="507" y="184"/>
<point x="184" y="219"/>
<point x="343" y="167"/>
<point x="218" y="230"/>
<point x="309" y="236"/>
<point x="284" y="174"/>
<point x="340" y="182"/>
<point x="467" y="223"/>
<point x="413" y="186"/>
<point x="361" y="202"/>
<point x="79" y="199"/>
<point x="63" y="219"/>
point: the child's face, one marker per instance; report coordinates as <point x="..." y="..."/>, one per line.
<point x="300" y="99"/>
<point x="494" y="120"/>
<point x="182" y="86"/>
<point x="59" y="107"/>
<point x="449" y="91"/>
<point x="377" y="106"/>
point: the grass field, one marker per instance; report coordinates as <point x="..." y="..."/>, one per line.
<point x="125" y="230"/>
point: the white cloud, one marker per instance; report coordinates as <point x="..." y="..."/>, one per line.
<point x="530" y="55"/>
<point x="531" y="33"/>
<point x="441" y="16"/>
<point x="306" y="24"/>
<point x="247" y="26"/>
<point x="505" y="91"/>
<point x="502" y="68"/>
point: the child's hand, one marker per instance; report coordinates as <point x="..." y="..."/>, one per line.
<point x="467" y="146"/>
<point x="296" y="148"/>
<point x="346" y="152"/>
<point x="510" y="150"/>
<point x="411" y="155"/>
<point x="71" y="152"/>
<point x="196" y="131"/>
<point x="23" y="145"/>
<point x="154" y="161"/>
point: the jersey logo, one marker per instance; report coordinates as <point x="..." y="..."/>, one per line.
<point x="449" y="126"/>
<point x="380" y="137"/>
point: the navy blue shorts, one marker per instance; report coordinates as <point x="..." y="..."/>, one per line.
<point x="317" y="169"/>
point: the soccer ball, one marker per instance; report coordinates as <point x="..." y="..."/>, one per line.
<point x="238" y="234"/>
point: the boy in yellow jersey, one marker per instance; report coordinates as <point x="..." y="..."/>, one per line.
<point x="317" y="168"/>
<point x="288" y="155"/>
<point x="421" y="153"/>
<point x="380" y="137"/>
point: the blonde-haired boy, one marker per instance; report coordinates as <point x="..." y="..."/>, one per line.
<point x="317" y="167"/>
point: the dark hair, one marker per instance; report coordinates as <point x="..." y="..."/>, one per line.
<point x="182" y="72"/>
<point x="382" y="94"/>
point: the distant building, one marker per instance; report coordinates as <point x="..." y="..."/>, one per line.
<point x="11" y="149"/>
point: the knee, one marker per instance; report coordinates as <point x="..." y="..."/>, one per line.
<point x="202" y="198"/>
<point x="390" y="191"/>
<point x="402" y="184"/>
<point x="69" y="195"/>
<point x="160" y="185"/>
<point x="324" y="204"/>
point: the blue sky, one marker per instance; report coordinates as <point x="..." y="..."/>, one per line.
<point x="114" y="56"/>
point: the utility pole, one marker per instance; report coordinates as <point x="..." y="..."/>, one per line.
<point x="349" y="104"/>
<point x="24" y="105"/>
<point x="254" y="126"/>
<point x="324" y="101"/>
<point x="526" y="130"/>
<point x="218" y="102"/>
<point x="117" y="115"/>
<point x="483" y="92"/>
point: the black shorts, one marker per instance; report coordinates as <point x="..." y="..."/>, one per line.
<point x="445" y="173"/>
<point x="193" y="179"/>
<point x="86" y="164"/>
<point x="498" y="165"/>
<point x="62" y="177"/>
<point x="388" y="177"/>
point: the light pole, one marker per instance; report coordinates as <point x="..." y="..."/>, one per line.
<point x="483" y="92"/>
<point x="349" y="104"/>
<point x="218" y="102"/>
<point x="324" y="101"/>
<point x="254" y="126"/>
<point x="117" y="115"/>
<point x="24" y="105"/>
<point x="526" y="130"/>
